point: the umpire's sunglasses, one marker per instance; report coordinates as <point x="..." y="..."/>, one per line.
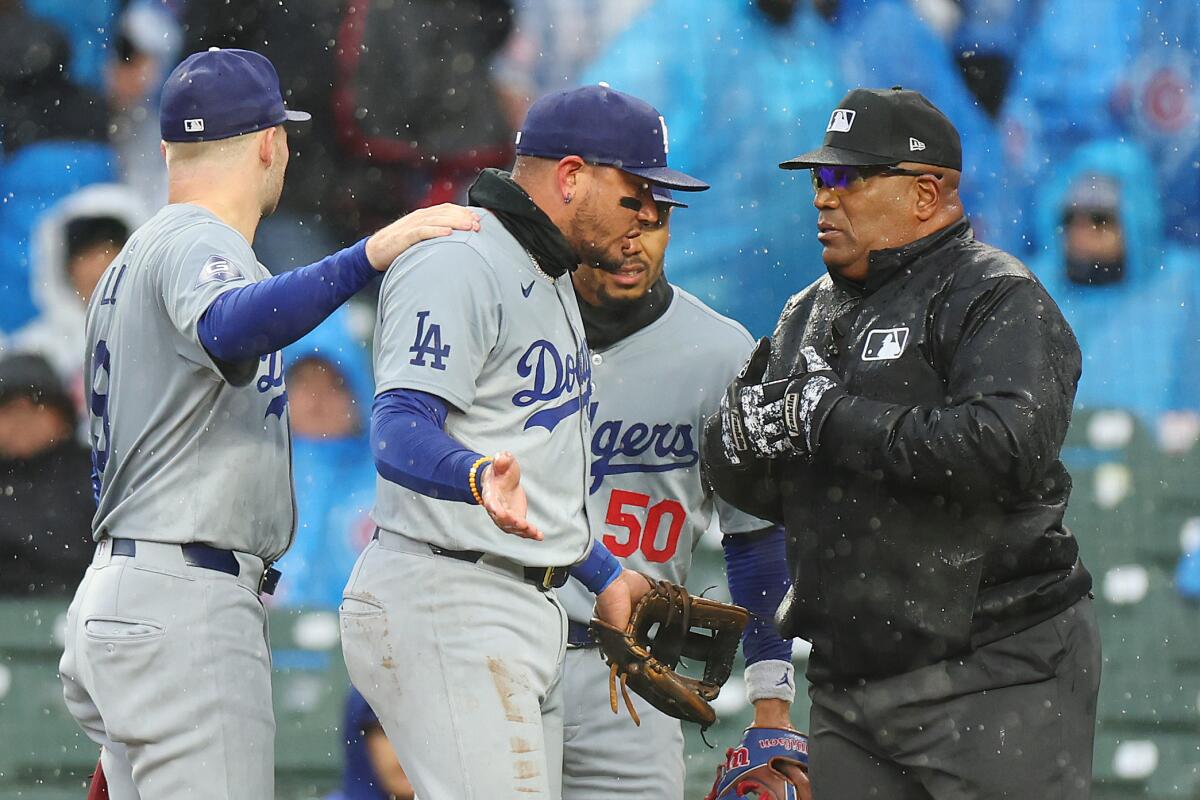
<point x="842" y="177"/>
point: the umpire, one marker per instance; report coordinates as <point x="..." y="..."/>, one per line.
<point x="904" y="423"/>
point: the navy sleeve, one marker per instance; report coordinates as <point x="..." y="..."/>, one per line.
<point x="756" y="564"/>
<point x="412" y="449"/>
<point x="253" y="320"/>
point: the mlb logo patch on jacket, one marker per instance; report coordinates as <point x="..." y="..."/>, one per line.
<point x="885" y="344"/>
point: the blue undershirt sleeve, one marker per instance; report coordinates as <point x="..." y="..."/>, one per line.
<point x="412" y="449"/>
<point x="756" y="564"/>
<point x="259" y="318"/>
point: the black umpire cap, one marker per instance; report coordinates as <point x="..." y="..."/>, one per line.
<point x="882" y="127"/>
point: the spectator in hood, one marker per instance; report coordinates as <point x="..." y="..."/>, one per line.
<point x="73" y="244"/>
<point x="37" y="101"/>
<point x="46" y="503"/>
<point x="1158" y="101"/>
<point x="987" y="39"/>
<point x="1063" y="82"/>
<point x="744" y="249"/>
<point x="1111" y="270"/>
<point x="146" y="46"/>
<point x="329" y="397"/>
<point x="876" y="40"/>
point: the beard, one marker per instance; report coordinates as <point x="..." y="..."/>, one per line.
<point x="594" y="256"/>
<point x="584" y="243"/>
<point x="274" y="190"/>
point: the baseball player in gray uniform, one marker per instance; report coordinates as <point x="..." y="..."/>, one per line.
<point x="451" y="629"/>
<point x="166" y="663"/>
<point x="648" y="504"/>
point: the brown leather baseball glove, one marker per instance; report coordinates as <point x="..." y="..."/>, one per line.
<point x="666" y="625"/>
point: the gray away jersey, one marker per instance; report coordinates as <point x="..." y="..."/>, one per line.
<point x="646" y="500"/>
<point x="468" y="318"/>
<point x="180" y="452"/>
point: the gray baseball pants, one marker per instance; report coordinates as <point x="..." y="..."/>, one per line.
<point x="167" y="667"/>
<point x="461" y="662"/>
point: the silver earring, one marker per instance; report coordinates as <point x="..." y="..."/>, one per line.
<point x="567" y="198"/>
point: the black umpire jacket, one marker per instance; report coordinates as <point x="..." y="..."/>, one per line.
<point x="930" y="520"/>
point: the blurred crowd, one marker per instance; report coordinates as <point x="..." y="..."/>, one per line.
<point x="1082" y="146"/>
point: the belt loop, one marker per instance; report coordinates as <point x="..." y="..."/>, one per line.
<point x="269" y="580"/>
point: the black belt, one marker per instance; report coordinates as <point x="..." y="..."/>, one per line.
<point x="206" y="557"/>
<point x="578" y="635"/>
<point x="544" y="578"/>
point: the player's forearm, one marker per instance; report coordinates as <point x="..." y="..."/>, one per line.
<point x="412" y="449"/>
<point x="756" y="567"/>
<point x="260" y="318"/>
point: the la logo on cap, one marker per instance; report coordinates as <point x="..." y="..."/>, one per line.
<point x="841" y="120"/>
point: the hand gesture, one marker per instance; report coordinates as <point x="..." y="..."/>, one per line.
<point x="386" y="244"/>
<point x="504" y="499"/>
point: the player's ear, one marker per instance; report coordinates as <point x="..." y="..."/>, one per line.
<point x="266" y="145"/>
<point x="569" y="171"/>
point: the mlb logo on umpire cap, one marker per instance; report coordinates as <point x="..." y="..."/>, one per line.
<point x="897" y="123"/>
<point x="841" y="120"/>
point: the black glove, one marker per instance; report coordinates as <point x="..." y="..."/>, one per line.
<point x="777" y="418"/>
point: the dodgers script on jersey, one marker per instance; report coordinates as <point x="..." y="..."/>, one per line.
<point x="646" y="500"/>
<point x="182" y="452"/>
<point x="468" y="318"/>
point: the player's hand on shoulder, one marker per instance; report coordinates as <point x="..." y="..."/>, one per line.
<point x="386" y="244"/>
<point x="504" y="499"/>
<point x="615" y="604"/>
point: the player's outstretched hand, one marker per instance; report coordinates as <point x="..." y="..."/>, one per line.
<point x="504" y="499"/>
<point x="615" y="604"/>
<point x="386" y="244"/>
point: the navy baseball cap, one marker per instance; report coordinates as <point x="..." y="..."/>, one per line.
<point x="603" y="126"/>
<point x="217" y="94"/>
<point x="882" y="127"/>
<point x="663" y="195"/>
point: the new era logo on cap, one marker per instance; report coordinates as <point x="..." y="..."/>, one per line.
<point x="841" y="120"/>
<point x="915" y="144"/>
<point x="193" y="125"/>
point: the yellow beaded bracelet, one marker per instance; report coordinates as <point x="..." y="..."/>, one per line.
<point x="472" y="480"/>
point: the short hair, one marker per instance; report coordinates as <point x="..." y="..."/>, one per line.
<point x="192" y="152"/>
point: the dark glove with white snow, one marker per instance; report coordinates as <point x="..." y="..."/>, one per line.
<point x="777" y="418"/>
